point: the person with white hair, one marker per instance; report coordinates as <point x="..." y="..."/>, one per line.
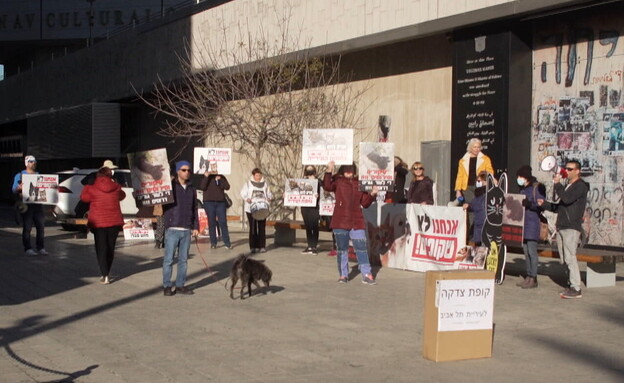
<point x="33" y="214"/>
<point x="470" y="165"/>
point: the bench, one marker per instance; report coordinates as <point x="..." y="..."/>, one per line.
<point x="600" y="263"/>
<point x="285" y="231"/>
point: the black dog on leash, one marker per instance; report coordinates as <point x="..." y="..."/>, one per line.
<point x="248" y="271"/>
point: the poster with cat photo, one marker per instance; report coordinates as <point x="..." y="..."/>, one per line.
<point x="217" y="160"/>
<point x="376" y="166"/>
<point x="320" y="146"/>
<point x="151" y="182"/>
<point x="40" y="188"/>
<point x="300" y="192"/>
<point x="138" y="228"/>
<point x="327" y="202"/>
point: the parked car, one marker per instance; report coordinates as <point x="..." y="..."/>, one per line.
<point x="70" y="187"/>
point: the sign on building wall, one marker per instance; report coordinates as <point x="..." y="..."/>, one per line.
<point x="75" y="19"/>
<point x="480" y="95"/>
<point x="578" y="112"/>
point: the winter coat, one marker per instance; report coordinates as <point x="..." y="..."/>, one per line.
<point x="398" y="195"/>
<point x="349" y="201"/>
<point x="212" y="190"/>
<point x="483" y="163"/>
<point x="103" y="198"/>
<point x="183" y="211"/>
<point x="252" y="189"/>
<point x="421" y="191"/>
<point x="571" y="207"/>
<point x="477" y="206"/>
<point x="532" y="192"/>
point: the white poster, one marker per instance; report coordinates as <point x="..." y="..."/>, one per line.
<point x="150" y="177"/>
<point x="465" y="304"/>
<point x="327" y="203"/>
<point x="40" y="188"/>
<point x="217" y="160"/>
<point x="376" y="166"/>
<point x="438" y="235"/>
<point x="300" y="192"/>
<point x="320" y="146"/>
<point x="138" y="228"/>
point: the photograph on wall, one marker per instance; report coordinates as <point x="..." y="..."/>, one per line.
<point x="138" y="228"/>
<point x="585" y="99"/>
<point x="213" y="160"/>
<point x="300" y="192"/>
<point x="327" y="202"/>
<point x="376" y="166"/>
<point x="151" y="179"/>
<point x="40" y="188"/>
<point x="320" y="146"/>
<point x="513" y="220"/>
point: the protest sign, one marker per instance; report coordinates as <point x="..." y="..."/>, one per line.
<point x="150" y="177"/>
<point x="218" y="160"/>
<point x="300" y="192"/>
<point x="327" y="202"/>
<point x="138" y="228"/>
<point x="40" y="189"/>
<point x="376" y="166"/>
<point x="320" y="146"/>
<point x="513" y="220"/>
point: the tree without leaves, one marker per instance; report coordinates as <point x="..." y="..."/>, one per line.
<point x="257" y="97"/>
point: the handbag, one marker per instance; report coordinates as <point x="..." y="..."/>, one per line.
<point x="544" y="233"/>
<point x="228" y="201"/>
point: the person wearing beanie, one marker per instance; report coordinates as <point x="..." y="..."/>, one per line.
<point x="181" y="223"/>
<point x="532" y="191"/>
<point x="33" y="214"/>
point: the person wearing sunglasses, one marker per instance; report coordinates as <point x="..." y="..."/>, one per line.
<point x="421" y="187"/>
<point x="570" y="209"/>
<point x="181" y="223"/>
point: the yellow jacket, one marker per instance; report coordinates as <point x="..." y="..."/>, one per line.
<point x="483" y="163"/>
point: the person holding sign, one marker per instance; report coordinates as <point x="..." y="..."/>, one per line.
<point x="257" y="196"/>
<point x="105" y="219"/>
<point x="32" y="214"/>
<point x="311" y="216"/>
<point x="348" y="221"/>
<point x="470" y="165"/>
<point x="214" y="186"/>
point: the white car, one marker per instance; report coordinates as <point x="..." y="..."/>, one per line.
<point x="70" y="187"/>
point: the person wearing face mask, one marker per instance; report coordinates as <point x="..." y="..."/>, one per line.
<point x="421" y="187"/>
<point x="311" y="215"/>
<point x="477" y="207"/>
<point x="348" y="221"/>
<point x="533" y="191"/>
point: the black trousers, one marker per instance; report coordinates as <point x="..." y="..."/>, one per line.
<point x="105" y="239"/>
<point x="311" y="219"/>
<point x="257" y="232"/>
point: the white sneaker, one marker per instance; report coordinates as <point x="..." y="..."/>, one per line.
<point x="30" y="253"/>
<point x="43" y="252"/>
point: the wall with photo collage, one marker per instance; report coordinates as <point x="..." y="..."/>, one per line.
<point x="578" y="111"/>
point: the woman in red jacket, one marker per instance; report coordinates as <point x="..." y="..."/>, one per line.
<point x="105" y="219"/>
<point x="348" y="220"/>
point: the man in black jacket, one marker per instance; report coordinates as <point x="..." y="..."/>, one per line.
<point x="570" y="210"/>
<point x="181" y="223"/>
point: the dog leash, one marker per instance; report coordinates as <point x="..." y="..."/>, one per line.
<point x="206" y="264"/>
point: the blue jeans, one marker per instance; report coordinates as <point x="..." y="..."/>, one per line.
<point x="215" y="210"/>
<point x="181" y="240"/>
<point x="33" y="216"/>
<point x="358" y="237"/>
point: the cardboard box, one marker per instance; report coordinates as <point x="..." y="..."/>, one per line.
<point x="458" y="321"/>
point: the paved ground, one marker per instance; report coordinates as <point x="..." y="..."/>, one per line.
<point x="57" y="323"/>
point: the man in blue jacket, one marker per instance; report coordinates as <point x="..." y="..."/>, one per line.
<point x="570" y="211"/>
<point x="181" y="223"/>
<point x="33" y="215"/>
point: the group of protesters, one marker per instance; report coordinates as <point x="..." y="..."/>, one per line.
<point x="181" y="223"/>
